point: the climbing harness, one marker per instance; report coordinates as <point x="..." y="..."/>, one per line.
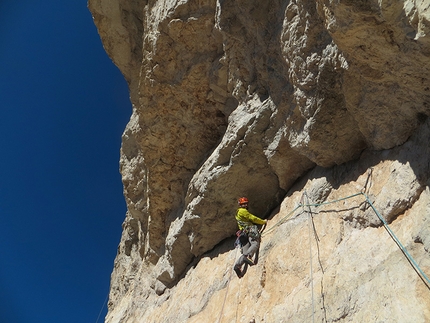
<point x="252" y="231"/>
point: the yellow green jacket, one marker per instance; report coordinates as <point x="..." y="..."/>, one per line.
<point x="244" y="218"/>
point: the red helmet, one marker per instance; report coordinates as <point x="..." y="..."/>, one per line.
<point x="242" y="200"/>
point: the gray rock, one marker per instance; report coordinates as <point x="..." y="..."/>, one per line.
<point x="269" y="99"/>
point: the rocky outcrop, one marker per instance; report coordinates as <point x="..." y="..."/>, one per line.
<point x="269" y="99"/>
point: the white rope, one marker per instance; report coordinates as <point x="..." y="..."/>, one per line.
<point x="310" y="255"/>
<point x="228" y="284"/>
<point x="100" y="313"/>
<point x="238" y="299"/>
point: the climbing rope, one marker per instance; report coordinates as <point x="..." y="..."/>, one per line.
<point x="228" y="284"/>
<point x="302" y="206"/>
<point x="394" y="237"/>
<point x="238" y="299"/>
<point x="391" y="233"/>
<point x="282" y="221"/>
<point x="310" y="255"/>
<point x="101" y="310"/>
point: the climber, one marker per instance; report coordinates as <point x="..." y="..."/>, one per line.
<point x="248" y="235"/>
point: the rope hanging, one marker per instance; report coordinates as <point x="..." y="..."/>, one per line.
<point x="302" y="205"/>
<point x="394" y="237"/>
<point x="417" y="268"/>
<point x="228" y="284"/>
<point x="310" y="254"/>
<point x="101" y="310"/>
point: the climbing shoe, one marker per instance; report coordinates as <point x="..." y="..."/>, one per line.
<point x="238" y="272"/>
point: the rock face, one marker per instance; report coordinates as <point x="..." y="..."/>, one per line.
<point x="285" y="102"/>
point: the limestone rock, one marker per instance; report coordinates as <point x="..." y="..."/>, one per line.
<point x="282" y="102"/>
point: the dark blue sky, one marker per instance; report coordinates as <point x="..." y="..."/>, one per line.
<point x="64" y="105"/>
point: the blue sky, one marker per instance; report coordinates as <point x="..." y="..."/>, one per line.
<point x="64" y="106"/>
